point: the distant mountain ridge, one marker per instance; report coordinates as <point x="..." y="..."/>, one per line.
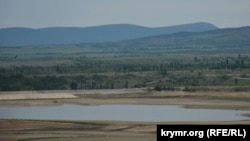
<point x="227" y="37"/>
<point x="229" y="40"/>
<point x="105" y="33"/>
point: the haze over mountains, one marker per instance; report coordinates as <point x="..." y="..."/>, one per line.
<point x="229" y="37"/>
<point x="105" y="33"/>
<point x="230" y="40"/>
<point x="216" y="41"/>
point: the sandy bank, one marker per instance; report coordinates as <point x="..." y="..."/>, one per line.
<point x="25" y="95"/>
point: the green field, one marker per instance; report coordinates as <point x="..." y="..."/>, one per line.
<point x="63" y="67"/>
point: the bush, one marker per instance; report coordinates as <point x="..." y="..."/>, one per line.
<point x="241" y="89"/>
<point x="158" y="88"/>
<point x="170" y="88"/>
<point x="73" y="85"/>
<point x="164" y="88"/>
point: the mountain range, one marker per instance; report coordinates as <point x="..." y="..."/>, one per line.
<point x="105" y="33"/>
<point x="230" y="40"/>
<point x="228" y="37"/>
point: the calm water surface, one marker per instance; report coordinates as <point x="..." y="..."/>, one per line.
<point x="121" y="113"/>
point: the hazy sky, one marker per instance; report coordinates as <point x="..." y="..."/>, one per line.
<point x="152" y="13"/>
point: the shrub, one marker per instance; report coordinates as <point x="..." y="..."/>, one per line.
<point x="158" y="88"/>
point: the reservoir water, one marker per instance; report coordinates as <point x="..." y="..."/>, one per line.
<point x="154" y="113"/>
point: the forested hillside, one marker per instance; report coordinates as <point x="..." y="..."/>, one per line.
<point x="181" y="61"/>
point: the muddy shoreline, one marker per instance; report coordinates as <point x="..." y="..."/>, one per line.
<point x="51" y="130"/>
<point x="211" y="100"/>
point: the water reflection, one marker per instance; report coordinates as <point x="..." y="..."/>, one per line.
<point x="121" y="113"/>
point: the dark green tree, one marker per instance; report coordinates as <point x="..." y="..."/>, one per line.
<point x="235" y="81"/>
<point x="73" y="85"/>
